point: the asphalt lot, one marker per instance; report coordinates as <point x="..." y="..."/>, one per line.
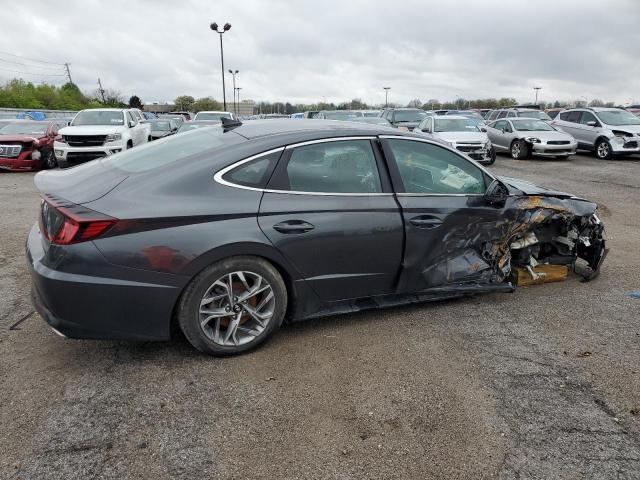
<point x="543" y="383"/>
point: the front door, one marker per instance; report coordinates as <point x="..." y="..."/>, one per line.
<point x="450" y="230"/>
<point x="330" y="210"/>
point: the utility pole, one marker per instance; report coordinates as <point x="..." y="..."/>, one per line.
<point x="386" y="96"/>
<point x="238" y="90"/>
<point x="101" y="90"/>
<point x="66" y="65"/>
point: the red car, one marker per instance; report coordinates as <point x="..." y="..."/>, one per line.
<point x="27" y="146"/>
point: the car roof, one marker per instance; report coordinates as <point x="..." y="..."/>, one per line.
<point x="106" y="109"/>
<point x="450" y="117"/>
<point x="213" y="111"/>
<point x="323" y="128"/>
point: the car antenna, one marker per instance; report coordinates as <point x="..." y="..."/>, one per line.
<point x="229" y="124"/>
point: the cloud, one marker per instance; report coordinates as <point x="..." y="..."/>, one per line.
<point x="301" y="51"/>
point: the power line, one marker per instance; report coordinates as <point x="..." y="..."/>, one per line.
<point x="31" y="59"/>
<point x="37" y="74"/>
<point x="30" y="65"/>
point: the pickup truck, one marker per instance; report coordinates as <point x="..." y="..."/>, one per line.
<point x="99" y="132"/>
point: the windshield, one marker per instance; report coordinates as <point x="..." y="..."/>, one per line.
<point x="160" y="125"/>
<point x="170" y="149"/>
<point x="339" y="115"/>
<point x="534" y="114"/>
<point x="24" y="129"/>
<point x="618" y="117"/>
<point x="371" y="114"/>
<point x="211" y="116"/>
<point x="531" y="126"/>
<point x="455" y="125"/>
<point x="98" y="117"/>
<point x="408" y="115"/>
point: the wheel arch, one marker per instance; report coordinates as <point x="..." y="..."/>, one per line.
<point x="246" y="249"/>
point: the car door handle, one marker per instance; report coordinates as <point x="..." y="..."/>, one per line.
<point x="426" y="221"/>
<point x="293" y="226"/>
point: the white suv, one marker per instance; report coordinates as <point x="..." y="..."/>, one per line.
<point x="99" y="132"/>
<point x="606" y="131"/>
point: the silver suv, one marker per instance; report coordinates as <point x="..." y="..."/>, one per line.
<point x="606" y="131"/>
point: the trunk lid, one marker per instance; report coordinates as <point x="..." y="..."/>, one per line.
<point x="81" y="184"/>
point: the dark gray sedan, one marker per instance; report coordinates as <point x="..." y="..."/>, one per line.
<point x="228" y="231"/>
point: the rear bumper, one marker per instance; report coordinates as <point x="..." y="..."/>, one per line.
<point x="97" y="307"/>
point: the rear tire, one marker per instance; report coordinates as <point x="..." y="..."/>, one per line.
<point x="233" y="306"/>
<point x="519" y="150"/>
<point x="129" y="144"/>
<point x="603" y="150"/>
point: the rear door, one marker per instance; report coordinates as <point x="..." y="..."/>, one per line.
<point x="569" y="122"/>
<point x="450" y="229"/>
<point x="330" y="210"/>
<point x="497" y="136"/>
<point x="586" y="134"/>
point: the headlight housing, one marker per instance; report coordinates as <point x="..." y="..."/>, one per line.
<point x="532" y="140"/>
<point x="113" y="137"/>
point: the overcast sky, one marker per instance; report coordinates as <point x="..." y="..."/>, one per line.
<point x="302" y="51"/>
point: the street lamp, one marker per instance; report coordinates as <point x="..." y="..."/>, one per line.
<point x="386" y="96"/>
<point x="225" y="28"/>
<point x="238" y="90"/>
<point x="537" y="89"/>
<point x="234" y="89"/>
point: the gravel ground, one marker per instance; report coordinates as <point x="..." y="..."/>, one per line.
<point x="542" y="384"/>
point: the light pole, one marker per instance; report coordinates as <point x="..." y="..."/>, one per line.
<point x="234" y="89"/>
<point x="386" y="96"/>
<point x="238" y="90"/>
<point x="225" y="28"/>
<point x="537" y="89"/>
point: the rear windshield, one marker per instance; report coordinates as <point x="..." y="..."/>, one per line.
<point x="339" y="115"/>
<point x="160" y="125"/>
<point x="24" y="129"/>
<point x="408" y="115"/>
<point x="171" y="149"/>
<point x="211" y="116"/>
<point x="98" y="117"/>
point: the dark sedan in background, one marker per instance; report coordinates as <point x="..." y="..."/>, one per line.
<point x="229" y="230"/>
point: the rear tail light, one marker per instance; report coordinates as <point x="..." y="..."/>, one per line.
<point x="64" y="223"/>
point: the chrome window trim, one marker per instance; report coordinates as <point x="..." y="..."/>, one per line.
<point x="331" y="139"/>
<point x="218" y="176"/>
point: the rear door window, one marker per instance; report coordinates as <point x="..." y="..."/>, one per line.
<point x="347" y="166"/>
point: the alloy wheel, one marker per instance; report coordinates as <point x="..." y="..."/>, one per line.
<point x="515" y="150"/>
<point x="603" y="150"/>
<point x="236" y="308"/>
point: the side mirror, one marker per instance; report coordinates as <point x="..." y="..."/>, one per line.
<point x="131" y="124"/>
<point x="591" y="123"/>
<point x="68" y="124"/>
<point x="496" y="193"/>
<point x="426" y="130"/>
<point x="483" y="129"/>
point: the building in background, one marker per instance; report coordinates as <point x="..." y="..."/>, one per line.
<point x="245" y="107"/>
<point x="159" y="107"/>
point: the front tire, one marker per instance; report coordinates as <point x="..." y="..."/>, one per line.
<point x="50" y="160"/>
<point x="519" y="150"/>
<point x="233" y="306"/>
<point x="603" y="150"/>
